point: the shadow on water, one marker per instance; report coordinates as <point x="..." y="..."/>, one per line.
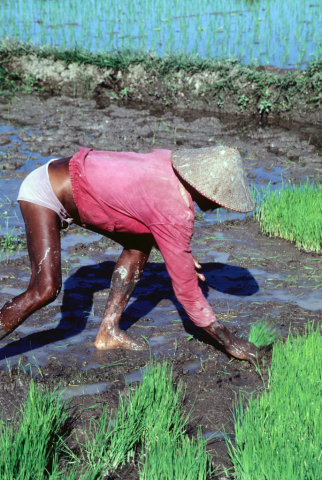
<point x="80" y="288"/>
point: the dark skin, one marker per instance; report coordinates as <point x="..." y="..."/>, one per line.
<point x="43" y="240"/>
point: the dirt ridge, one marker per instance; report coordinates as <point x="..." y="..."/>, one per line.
<point x="218" y="86"/>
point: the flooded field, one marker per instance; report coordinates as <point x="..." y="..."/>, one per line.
<point x="284" y="34"/>
<point x="249" y="276"/>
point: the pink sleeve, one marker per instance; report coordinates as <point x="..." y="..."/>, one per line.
<point x="178" y="259"/>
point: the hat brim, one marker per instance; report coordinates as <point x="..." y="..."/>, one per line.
<point x="218" y="174"/>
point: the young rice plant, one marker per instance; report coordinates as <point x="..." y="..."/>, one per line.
<point x="262" y="334"/>
<point x="279" y="434"/>
<point x="150" y="416"/>
<point x="293" y="213"/>
<point x="30" y="444"/>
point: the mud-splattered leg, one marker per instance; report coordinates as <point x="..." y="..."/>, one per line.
<point x="43" y="241"/>
<point x="126" y="275"/>
<point x="237" y="347"/>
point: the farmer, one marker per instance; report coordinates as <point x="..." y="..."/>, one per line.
<point x="137" y="200"/>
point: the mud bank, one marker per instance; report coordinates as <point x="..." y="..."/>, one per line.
<point x="181" y="82"/>
<point x="34" y="129"/>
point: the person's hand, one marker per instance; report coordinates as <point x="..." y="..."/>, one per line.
<point x="198" y="267"/>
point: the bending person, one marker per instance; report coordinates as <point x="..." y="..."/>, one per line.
<point x="138" y="200"/>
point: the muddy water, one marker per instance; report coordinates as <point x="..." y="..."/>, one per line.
<point x="249" y="277"/>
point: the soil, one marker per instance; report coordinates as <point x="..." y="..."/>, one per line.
<point x="225" y="86"/>
<point x="249" y="276"/>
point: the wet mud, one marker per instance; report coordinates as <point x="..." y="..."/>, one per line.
<point x="249" y="276"/>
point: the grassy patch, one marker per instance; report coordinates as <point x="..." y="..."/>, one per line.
<point x="148" y="427"/>
<point x="279" y="435"/>
<point x="231" y="86"/>
<point x="172" y="460"/>
<point x="118" y="59"/>
<point x="30" y="444"/>
<point x="293" y="213"/>
<point x="9" y="242"/>
<point x="262" y="334"/>
<point x="151" y="418"/>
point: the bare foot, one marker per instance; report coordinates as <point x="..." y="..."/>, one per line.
<point x="116" y="338"/>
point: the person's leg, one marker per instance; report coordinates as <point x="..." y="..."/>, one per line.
<point x="237" y="347"/>
<point x="127" y="273"/>
<point x="43" y="241"/>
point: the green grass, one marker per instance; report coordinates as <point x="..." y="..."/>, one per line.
<point x="279" y="434"/>
<point x="262" y="334"/>
<point x="171" y="459"/>
<point x="8" y="241"/>
<point x="150" y="417"/>
<point x="30" y="443"/>
<point x="293" y="213"/>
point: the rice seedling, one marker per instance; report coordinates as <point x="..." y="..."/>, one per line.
<point x="278" y="434"/>
<point x="150" y="416"/>
<point x="30" y="444"/>
<point x="171" y="459"/>
<point x="112" y="443"/>
<point x="8" y="242"/>
<point x="163" y="407"/>
<point x="290" y="28"/>
<point x="263" y="334"/>
<point x="293" y="213"/>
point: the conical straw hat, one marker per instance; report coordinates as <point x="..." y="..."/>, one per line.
<point x="217" y="173"/>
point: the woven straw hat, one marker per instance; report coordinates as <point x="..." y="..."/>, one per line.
<point x="217" y="173"/>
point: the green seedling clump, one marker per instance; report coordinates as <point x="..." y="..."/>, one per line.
<point x="151" y="416"/>
<point x="29" y="445"/>
<point x="9" y="242"/>
<point x="293" y="213"/>
<point x="279" y="435"/>
<point x="263" y="334"/>
<point x="172" y="460"/>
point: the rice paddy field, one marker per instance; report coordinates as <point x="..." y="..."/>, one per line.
<point x="183" y="409"/>
<point x="260" y="285"/>
<point x="285" y="34"/>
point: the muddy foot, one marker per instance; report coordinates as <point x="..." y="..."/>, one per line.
<point x="117" y="339"/>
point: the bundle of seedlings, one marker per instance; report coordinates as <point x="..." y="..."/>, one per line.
<point x="263" y="334"/>
<point x="278" y="434"/>
<point x="30" y="444"/>
<point x="293" y="213"/>
<point x="148" y="426"/>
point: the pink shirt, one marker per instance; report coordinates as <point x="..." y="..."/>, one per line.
<point x="140" y="193"/>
